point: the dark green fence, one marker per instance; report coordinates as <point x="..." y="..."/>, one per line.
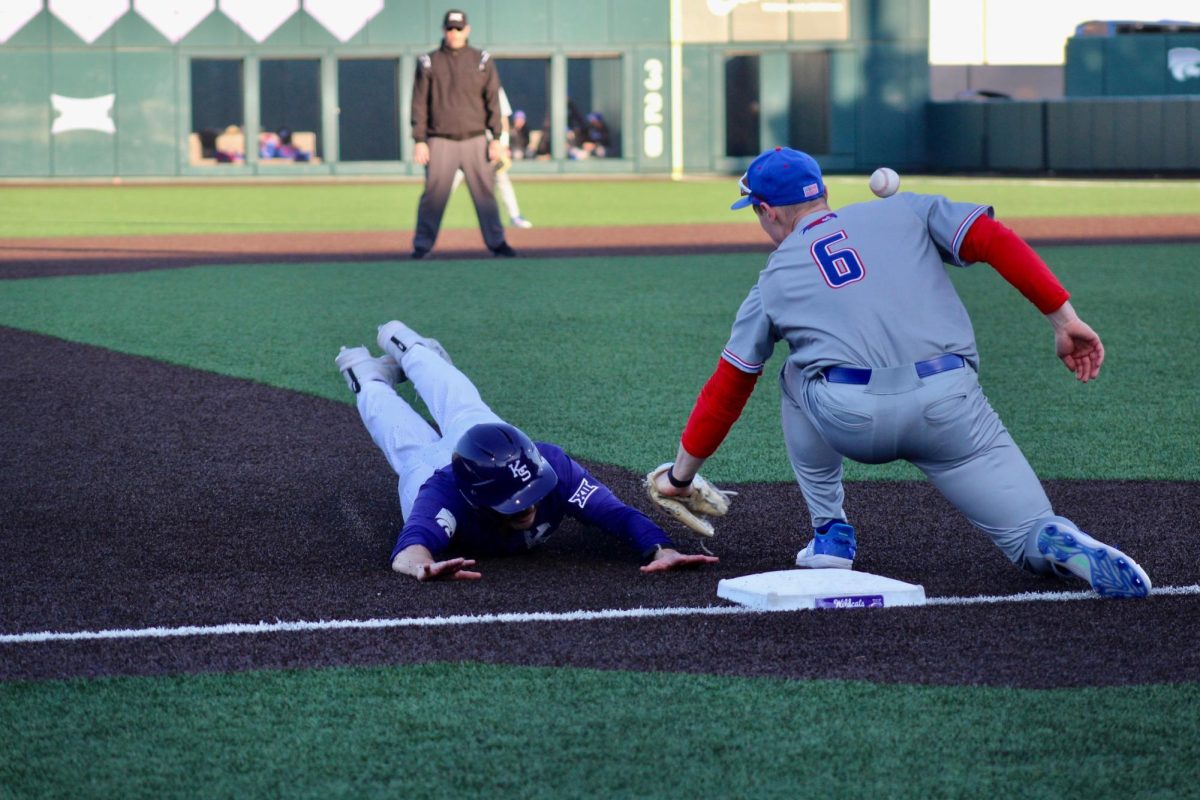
<point x="1105" y="135"/>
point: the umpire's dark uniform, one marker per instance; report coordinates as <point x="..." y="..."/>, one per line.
<point x="455" y="103"/>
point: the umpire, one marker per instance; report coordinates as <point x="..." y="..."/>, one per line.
<point x="455" y="105"/>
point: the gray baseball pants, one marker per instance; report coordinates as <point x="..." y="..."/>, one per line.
<point x="942" y="424"/>
<point x="446" y="157"/>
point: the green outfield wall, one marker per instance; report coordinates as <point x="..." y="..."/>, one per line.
<point x="1133" y="135"/>
<point x="186" y="88"/>
<point x="146" y="88"/>
<point x="1133" y="64"/>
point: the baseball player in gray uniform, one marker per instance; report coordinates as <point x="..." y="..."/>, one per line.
<point x="882" y="366"/>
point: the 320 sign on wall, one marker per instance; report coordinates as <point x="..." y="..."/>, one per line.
<point x="652" y="109"/>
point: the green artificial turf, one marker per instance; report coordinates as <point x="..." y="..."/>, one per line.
<point x="470" y="730"/>
<point x="100" y="210"/>
<point x="606" y="355"/>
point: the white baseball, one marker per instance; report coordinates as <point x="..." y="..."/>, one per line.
<point x="884" y="182"/>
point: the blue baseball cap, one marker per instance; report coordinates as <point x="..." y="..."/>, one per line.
<point x="782" y="177"/>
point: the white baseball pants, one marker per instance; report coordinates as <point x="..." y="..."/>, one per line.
<point x="413" y="448"/>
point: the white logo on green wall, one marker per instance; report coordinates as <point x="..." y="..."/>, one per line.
<point x="83" y="113"/>
<point x="1184" y="63"/>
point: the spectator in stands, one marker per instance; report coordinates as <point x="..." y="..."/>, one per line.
<point x="518" y="135"/>
<point x="542" y="150"/>
<point x="279" y="145"/>
<point x="596" y="137"/>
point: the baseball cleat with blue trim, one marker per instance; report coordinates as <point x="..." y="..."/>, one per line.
<point x="1110" y="572"/>
<point x="834" y="548"/>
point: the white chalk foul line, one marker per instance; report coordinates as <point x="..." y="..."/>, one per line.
<point x="401" y="622"/>
<point x="280" y="626"/>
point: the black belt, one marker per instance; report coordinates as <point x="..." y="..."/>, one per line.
<point x="861" y="376"/>
<point x="456" y="137"/>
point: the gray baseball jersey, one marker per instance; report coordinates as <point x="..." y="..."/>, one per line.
<point x="864" y="285"/>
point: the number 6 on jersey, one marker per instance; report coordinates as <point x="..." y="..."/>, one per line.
<point x="839" y="267"/>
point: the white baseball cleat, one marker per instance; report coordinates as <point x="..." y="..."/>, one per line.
<point x="357" y="366"/>
<point x="1110" y="572"/>
<point x="521" y="222"/>
<point x="397" y="338"/>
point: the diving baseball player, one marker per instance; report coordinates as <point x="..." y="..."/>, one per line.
<point x="481" y="487"/>
<point x="882" y="366"/>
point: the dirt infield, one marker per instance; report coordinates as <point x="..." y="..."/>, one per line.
<point x="136" y="493"/>
<point x="24" y="258"/>
<point x="143" y="494"/>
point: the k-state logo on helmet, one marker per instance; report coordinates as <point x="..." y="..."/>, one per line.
<point x="520" y="470"/>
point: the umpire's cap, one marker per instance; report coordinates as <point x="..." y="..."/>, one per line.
<point x="782" y="177"/>
<point x="497" y="466"/>
<point x="454" y="19"/>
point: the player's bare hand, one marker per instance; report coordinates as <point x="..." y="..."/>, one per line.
<point x="673" y="559"/>
<point x="1080" y="349"/>
<point x="495" y="150"/>
<point x="421" y="153"/>
<point x="455" y="569"/>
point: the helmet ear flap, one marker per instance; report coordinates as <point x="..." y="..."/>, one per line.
<point x="464" y="476"/>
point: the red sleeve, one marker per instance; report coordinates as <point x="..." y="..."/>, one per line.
<point x="719" y="405"/>
<point x="992" y="243"/>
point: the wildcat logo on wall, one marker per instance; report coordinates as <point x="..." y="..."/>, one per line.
<point x="1184" y="63"/>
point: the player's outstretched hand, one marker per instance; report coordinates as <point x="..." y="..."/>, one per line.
<point x="454" y="569"/>
<point x="417" y="561"/>
<point x="673" y="559"/>
<point x="1080" y="349"/>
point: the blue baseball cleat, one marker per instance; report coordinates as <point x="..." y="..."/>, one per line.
<point x="1110" y="572"/>
<point x="833" y="549"/>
